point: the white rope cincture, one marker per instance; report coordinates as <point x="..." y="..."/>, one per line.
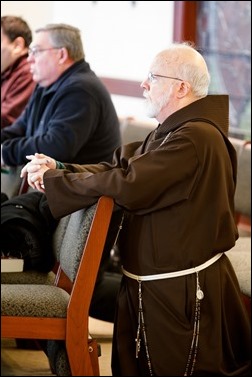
<point x="168" y="275"/>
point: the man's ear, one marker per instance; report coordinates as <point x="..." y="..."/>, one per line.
<point x="19" y="44"/>
<point x="63" y="55"/>
<point x="184" y="89"/>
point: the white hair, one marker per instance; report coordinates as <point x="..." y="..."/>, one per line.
<point x="189" y="65"/>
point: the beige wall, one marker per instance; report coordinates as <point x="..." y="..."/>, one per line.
<point x="36" y="13"/>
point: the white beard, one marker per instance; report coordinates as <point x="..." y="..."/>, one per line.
<point x="151" y="109"/>
<point x="154" y="108"/>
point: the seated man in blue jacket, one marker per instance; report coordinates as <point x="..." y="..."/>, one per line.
<point x="70" y="115"/>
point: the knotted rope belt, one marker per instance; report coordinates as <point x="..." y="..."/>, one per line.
<point x="175" y="274"/>
<point x="199" y="296"/>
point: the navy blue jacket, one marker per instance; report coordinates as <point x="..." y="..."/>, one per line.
<point x="73" y="120"/>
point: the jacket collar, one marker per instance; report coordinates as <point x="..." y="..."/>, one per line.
<point x="77" y="66"/>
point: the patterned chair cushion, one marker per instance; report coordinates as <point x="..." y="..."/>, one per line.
<point x="45" y="300"/>
<point x="27" y="277"/>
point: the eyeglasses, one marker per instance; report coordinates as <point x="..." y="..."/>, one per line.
<point x="35" y="51"/>
<point x="152" y="76"/>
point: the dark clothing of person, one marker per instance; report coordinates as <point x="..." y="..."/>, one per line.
<point x="27" y="226"/>
<point x="17" y="86"/>
<point x="177" y="191"/>
<point x="104" y="297"/>
<point x="4" y="197"/>
<point x="73" y="120"/>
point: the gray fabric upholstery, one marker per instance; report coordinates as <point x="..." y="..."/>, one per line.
<point x="74" y="239"/>
<point x="134" y="129"/>
<point x="27" y="277"/>
<point x="240" y="257"/>
<point x="11" y="181"/>
<point x="243" y="189"/>
<point x="35" y="300"/>
<point x="59" y="234"/>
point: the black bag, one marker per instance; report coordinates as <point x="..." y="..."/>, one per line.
<point x="27" y="226"/>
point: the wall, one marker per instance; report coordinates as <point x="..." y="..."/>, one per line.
<point x="120" y="38"/>
<point x="35" y="13"/>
